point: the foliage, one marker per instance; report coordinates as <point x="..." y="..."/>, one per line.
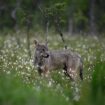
<point x="55" y="14"/>
<point x="77" y="10"/>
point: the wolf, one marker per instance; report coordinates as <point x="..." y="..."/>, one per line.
<point x="47" y="60"/>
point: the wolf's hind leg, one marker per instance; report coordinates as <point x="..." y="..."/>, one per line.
<point x="71" y="74"/>
<point x="81" y="73"/>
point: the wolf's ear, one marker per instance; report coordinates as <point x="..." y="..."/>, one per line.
<point x="35" y="42"/>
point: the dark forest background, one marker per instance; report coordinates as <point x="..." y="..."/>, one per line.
<point x="72" y="16"/>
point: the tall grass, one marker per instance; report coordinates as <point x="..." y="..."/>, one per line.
<point x="20" y="83"/>
<point x="93" y="93"/>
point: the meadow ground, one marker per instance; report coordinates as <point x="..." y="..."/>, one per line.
<point x="20" y="83"/>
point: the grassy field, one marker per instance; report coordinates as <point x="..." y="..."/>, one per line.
<point x="20" y="83"/>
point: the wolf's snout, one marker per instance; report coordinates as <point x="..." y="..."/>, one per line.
<point x="46" y="55"/>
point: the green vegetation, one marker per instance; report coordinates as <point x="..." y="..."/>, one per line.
<point x="20" y="83"/>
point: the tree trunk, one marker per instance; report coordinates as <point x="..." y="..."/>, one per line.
<point x="47" y="30"/>
<point x="28" y="43"/>
<point x="92" y="18"/>
<point x="14" y="18"/>
<point x="71" y="10"/>
<point x="70" y="26"/>
<point x="58" y="28"/>
<point x="29" y="26"/>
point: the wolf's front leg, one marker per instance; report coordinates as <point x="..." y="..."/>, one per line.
<point x="45" y="71"/>
<point x="40" y="71"/>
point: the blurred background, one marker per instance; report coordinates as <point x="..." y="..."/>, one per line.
<point x="74" y="16"/>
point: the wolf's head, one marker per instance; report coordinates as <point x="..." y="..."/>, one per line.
<point x="41" y="51"/>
